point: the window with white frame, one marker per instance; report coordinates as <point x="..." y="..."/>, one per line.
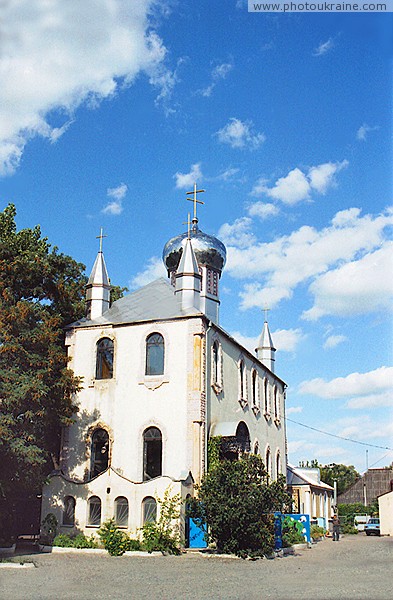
<point x="155" y="354"/>
<point x="276" y="404"/>
<point x="94" y="511"/>
<point x="121" y="511"/>
<point x="256" y="447"/>
<point x="216" y="366"/>
<point x="152" y="453"/>
<point x="254" y="389"/>
<point x="99" y="452"/>
<point x="104" y="358"/>
<point x="266" y="397"/>
<point x="149" y="510"/>
<point x="242" y="383"/>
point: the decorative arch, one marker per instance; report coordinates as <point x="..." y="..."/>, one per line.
<point x="152" y="453"/>
<point x="104" y="358"/>
<point x="155" y="354"/>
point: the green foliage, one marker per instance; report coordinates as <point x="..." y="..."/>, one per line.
<point x="317" y="532"/>
<point x="357" y="508"/>
<point x="79" y="541"/>
<point x="163" y="535"/>
<point x="348" y="527"/>
<point x="236" y="500"/>
<point x="213" y="451"/>
<point x="41" y="291"/>
<point x="115" y="541"/>
<point x="116" y="293"/>
<point x="291" y="537"/>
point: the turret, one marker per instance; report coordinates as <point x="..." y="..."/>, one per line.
<point x="98" y="287"/>
<point x="188" y="279"/>
<point x="265" y="350"/>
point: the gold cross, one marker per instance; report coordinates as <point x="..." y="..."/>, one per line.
<point x="195" y="200"/>
<point x="265" y="310"/>
<point x="101" y="237"/>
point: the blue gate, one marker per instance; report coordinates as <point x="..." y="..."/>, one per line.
<point x="196" y="535"/>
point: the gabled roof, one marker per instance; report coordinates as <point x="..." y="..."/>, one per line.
<point x="298" y="477"/>
<point x="155" y="301"/>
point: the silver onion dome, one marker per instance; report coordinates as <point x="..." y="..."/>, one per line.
<point x="208" y="250"/>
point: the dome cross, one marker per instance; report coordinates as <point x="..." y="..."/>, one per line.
<point x="195" y="201"/>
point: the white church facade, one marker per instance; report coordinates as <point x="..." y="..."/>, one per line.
<point x="159" y="378"/>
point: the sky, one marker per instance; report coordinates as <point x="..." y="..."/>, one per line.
<point x="110" y="110"/>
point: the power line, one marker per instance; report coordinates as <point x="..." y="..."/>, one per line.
<point x="340" y="437"/>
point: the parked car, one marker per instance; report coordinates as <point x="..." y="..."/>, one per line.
<point x="372" y="527"/>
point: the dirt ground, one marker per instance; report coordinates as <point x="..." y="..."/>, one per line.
<point x="356" y="567"/>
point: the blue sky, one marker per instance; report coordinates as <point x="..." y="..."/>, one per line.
<point x="110" y="110"/>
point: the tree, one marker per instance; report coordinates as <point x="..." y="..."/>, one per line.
<point x="236" y="501"/>
<point x="41" y="290"/>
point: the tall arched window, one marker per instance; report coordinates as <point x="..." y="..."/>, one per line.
<point x="99" y="452"/>
<point x="152" y="453"/>
<point x="104" y="362"/>
<point x="242" y="382"/>
<point x="69" y="511"/>
<point x="268" y="462"/>
<point x="278" y="464"/>
<point x="149" y="510"/>
<point x="265" y="397"/>
<point x="256" y="448"/>
<point x="155" y="350"/>
<point x="254" y="385"/>
<point x="94" y="511"/>
<point x="276" y="405"/>
<point x="216" y="363"/>
<point x="121" y="511"/>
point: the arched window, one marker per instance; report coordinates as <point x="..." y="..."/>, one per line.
<point x="216" y="363"/>
<point x="242" y="382"/>
<point x="265" y="397"/>
<point x="243" y="437"/>
<point x="104" y="362"/>
<point x="99" y="452"/>
<point x="256" y="448"/>
<point x="155" y="349"/>
<point x="152" y="453"/>
<point x="121" y="511"/>
<point x="276" y="405"/>
<point x="69" y="511"/>
<point x="268" y="462"/>
<point x="278" y="464"/>
<point x="149" y="510"/>
<point x="254" y="385"/>
<point x="94" y="511"/>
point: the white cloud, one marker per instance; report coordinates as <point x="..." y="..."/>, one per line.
<point x="334" y="340"/>
<point x="219" y="72"/>
<point x="115" y="206"/>
<point x="357" y="287"/>
<point x="324" y="47"/>
<point x="52" y="62"/>
<point x="355" y="384"/>
<point x="154" y="269"/>
<point x="263" y="210"/>
<point x="287" y="340"/>
<point x="187" y="180"/>
<point x="362" y="132"/>
<point x="227" y="174"/>
<point x="237" y="234"/>
<point x="298" y="186"/>
<point x="248" y="342"/>
<point x="291" y="410"/>
<point x="239" y="134"/>
<point x="276" y="268"/>
<point x="372" y="400"/>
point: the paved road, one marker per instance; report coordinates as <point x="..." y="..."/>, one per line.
<point x="357" y="567"/>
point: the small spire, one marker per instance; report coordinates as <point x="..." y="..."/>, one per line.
<point x="188" y="279"/>
<point x="265" y="350"/>
<point x="98" y="286"/>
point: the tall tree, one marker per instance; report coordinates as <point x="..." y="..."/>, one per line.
<point x="41" y="290"/>
<point x="344" y="475"/>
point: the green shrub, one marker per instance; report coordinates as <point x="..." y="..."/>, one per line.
<point x="63" y="541"/>
<point x="81" y="541"/>
<point x="49" y="528"/>
<point x="133" y="545"/>
<point x="349" y="528"/>
<point x="291" y="537"/>
<point x="116" y="542"/>
<point x="317" y="532"/>
<point x="163" y="535"/>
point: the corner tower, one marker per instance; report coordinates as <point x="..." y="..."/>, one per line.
<point x="265" y="350"/>
<point x="98" y="287"/>
<point x="210" y="254"/>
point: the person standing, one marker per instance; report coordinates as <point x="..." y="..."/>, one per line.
<point x="336" y="528"/>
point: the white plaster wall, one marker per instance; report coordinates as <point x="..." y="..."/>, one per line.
<point x="385" y="503"/>
<point x="225" y="407"/>
<point x="131" y="402"/>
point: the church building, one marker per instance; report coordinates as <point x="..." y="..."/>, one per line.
<point x="160" y="376"/>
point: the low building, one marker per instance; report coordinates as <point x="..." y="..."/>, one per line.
<point x="385" y="503"/>
<point x="310" y="495"/>
<point x="369" y="487"/>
